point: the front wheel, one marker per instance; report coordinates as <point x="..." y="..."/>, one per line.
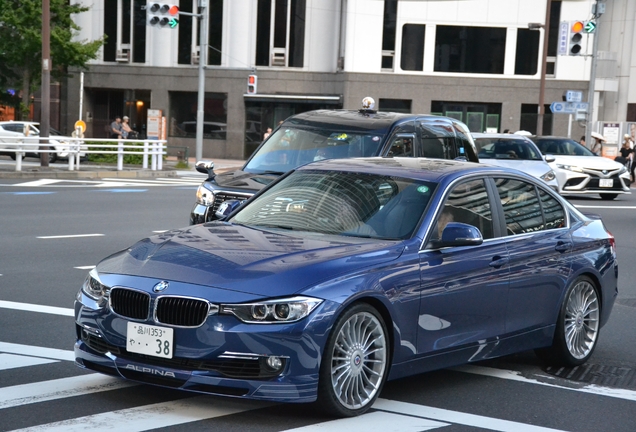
<point x="608" y="196"/>
<point x="578" y="326"/>
<point x="355" y="362"/>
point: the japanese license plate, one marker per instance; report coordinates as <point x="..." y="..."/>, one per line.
<point x="149" y="340"/>
<point x="606" y="182"/>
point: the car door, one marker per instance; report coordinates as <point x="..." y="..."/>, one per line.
<point x="539" y="246"/>
<point x="463" y="289"/>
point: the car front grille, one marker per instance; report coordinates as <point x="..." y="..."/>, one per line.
<point x="180" y="311"/>
<point x="219" y="198"/>
<point x="129" y="303"/>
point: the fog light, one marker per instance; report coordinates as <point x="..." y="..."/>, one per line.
<point x="274" y="362"/>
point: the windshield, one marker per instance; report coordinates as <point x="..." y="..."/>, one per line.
<point x="340" y="203"/>
<point x="291" y="147"/>
<point x="506" y="148"/>
<point x="562" y="146"/>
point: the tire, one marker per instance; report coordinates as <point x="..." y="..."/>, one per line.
<point x="608" y="196"/>
<point x="52" y="157"/>
<point x="355" y="362"/>
<point x="578" y="326"/>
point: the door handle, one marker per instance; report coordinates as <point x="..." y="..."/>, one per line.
<point x="563" y="246"/>
<point x="498" y="261"/>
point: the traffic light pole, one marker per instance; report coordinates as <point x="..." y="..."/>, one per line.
<point x="203" y="61"/>
<point x="544" y="62"/>
<point x="590" y="95"/>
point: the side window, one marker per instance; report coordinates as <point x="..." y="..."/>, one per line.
<point x="436" y="140"/>
<point x="402" y="146"/>
<point x="467" y="203"/>
<point x="521" y="206"/>
<point x="553" y="211"/>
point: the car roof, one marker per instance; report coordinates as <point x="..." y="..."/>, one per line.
<point x="355" y="120"/>
<point x="499" y="135"/>
<point x="427" y="169"/>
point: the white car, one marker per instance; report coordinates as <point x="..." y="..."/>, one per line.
<point x="514" y="151"/>
<point x="581" y="172"/>
<point x="10" y="131"/>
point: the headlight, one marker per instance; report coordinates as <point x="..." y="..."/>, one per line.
<point x="94" y="288"/>
<point x="570" y="168"/>
<point x="205" y="196"/>
<point x="273" y="311"/>
<point x="549" y="176"/>
<point x="623" y="170"/>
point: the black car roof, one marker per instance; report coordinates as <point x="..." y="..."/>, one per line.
<point x="355" y="120"/>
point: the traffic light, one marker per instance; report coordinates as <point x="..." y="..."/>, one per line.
<point x="576" y="27"/>
<point x="165" y="14"/>
<point x="252" y="80"/>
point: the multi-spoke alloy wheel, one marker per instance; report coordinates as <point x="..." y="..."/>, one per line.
<point x="355" y="362"/>
<point x="581" y="319"/>
<point x="578" y="326"/>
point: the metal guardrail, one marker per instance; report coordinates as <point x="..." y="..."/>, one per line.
<point x="74" y="148"/>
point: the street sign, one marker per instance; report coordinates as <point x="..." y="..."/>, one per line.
<point x="573" y="96"/>
<point x="590" y="26"/>
<point x="568" y="107"/>
<point x="80" y="124"/>
<point x="564" y="35"/>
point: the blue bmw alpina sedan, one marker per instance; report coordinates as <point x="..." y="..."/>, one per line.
<point x="345" y="273"/>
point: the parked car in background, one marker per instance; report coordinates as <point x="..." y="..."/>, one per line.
<point x="329" y="134"/>
<point x="581" y="172"/>
<point x="515" y="151"/>
<point x="10" y="131"/>
<point x="347" y="272"/>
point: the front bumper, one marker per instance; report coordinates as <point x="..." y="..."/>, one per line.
<point x="575" y="183"/>
<point x="223" y="356"/>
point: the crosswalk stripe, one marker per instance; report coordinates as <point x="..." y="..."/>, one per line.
<point x="377" y="421"/>
<point x="53" y="310"/>
<point x="42" y="391"/>
<point x="34" y="351"/>
<point x="150" y="416"/>
<point x="12" y="361"/>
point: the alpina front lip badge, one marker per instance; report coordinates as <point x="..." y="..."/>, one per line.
<point x="161" y="286"/>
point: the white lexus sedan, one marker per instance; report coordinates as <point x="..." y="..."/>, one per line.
<point x="515" y="151"/>
<point x="581" y="172"/>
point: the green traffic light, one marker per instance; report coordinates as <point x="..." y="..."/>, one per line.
<point x="174" y="22"/>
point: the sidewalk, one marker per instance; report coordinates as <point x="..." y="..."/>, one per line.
<point x="31" y="169"/>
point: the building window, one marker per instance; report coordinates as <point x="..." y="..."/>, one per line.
<point x="183" y="115"/>
<point x="412" y="57"/>
<point x="395" y="105"/>
<point x="280" y="33"/>
<point x="529" y="114"/>
<point x="527" y="54"/>
<point x="187" y="51"/>
<point x="125" y="30"/>
<point x="389" y="27"/>
<point x="478" y="116"/>
<point x="470" y="49"/>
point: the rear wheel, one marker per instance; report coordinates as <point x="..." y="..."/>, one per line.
<point x="578" y="327"/>
<point x="355" y="362"/>
<point x="607" y="196"/>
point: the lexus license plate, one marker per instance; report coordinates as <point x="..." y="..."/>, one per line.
<point x="149" y="340"/>
<point x="606" y="182"/>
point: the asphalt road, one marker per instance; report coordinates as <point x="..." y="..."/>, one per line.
<point x="52" y="233"/>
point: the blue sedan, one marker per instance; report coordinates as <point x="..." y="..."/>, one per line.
<point x="345" y="273"/>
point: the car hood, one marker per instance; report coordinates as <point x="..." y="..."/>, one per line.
<point x="239" y="258"/>
<point x="535" y="168"/>
<point x="592" y="162"/>
<point x="244" y="180"/>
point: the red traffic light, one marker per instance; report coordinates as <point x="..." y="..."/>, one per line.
<point x="174" y="10"/>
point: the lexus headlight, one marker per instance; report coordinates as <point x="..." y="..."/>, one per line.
<point x="549" y="176"/>
<point x="205" y="196"/>
<point x="94" y="288"/>
<point x="623" y="170"/>
<point x="273" y="311"/>
<point x="570" y="168"/>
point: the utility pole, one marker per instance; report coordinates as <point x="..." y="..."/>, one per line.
<point x="544" y="62"/>
<point x="597" y="10"/>
<point x="45" y="112"/>
<point x="203" y="61"/>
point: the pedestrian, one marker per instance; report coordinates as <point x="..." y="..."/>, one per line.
<point x="506" y="131"/>
<point x="126" y="130"/>
<point x="597" y="147"/>
<point x="116" y="128"/>
<point x="267" y="133"/>
<point x="627" y="154"/>
<point x="582" y="141"/>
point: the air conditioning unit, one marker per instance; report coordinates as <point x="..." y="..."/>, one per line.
<point x="123" y="56"/>
<point x="279" y="57"/>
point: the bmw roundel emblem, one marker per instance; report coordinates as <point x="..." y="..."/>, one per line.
<point x="161" y="286"/>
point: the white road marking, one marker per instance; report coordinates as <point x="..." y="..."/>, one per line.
<point x="43" y="391"/>
<point x="70" y="236"/>
<point x="516" y="376"/>
<point x="53" y="310"/>
<point x="111" y="182"/>
<point x="160" y="231"/>
<point x="151" y="416"/>
<point x="374" y="422"/>
<point x="12" y="361"/>
<point x="85" y="267"/>
<point x="604" y="207"/>
<point x="35" y="351"/>
<point x="36" y="183"/>
<point x="457" y="417"/>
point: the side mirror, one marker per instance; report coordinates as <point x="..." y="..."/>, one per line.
<point x="226" y="208"/>
<point x="549" y="158"/>
<point x="205" y="167"/>
<point x="460" y="234"/>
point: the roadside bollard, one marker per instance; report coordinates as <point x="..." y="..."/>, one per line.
<point x="144" y="164"/>
<point x="153" y="158"/>
<point x="120" y="155"/>
<point x="159" y="156"/>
